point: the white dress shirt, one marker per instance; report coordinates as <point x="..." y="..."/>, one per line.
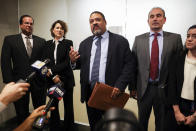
<point x="189" y="77"/>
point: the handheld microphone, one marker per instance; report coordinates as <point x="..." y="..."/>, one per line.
<point x="41" y="67"/>
<point x="56" y="92"/>
<point x="28" y="79"/>
<point x="38" y="66"/>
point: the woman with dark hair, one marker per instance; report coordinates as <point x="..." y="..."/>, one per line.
<point x="182" y="84"/>
<point x="57" y="50"/>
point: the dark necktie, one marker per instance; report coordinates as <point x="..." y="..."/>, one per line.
<point x="96" y="63"/>
<point x="154" y="62"/>
<point x="29" y="46"/>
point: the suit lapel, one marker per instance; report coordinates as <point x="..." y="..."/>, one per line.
<point x="111" y="46"/>
<point x="88" y="54"/>
<point x="165" y="47"/>
<point x="181" y="67"/>
<point x="35" y="46"/>
<point x="147" y="48"/>
<point x="51" y="51"/>
<point x="21" y="46"/>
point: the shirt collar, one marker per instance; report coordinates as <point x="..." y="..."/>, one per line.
<point x="160" y="33"/>
<point x="61" y="39"/>
<point x="24" y="36"/>
<point x="105" y="35"/>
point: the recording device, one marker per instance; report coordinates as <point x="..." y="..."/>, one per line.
<point x="56" y="92"/>
<point x="117" y="119"/>
<point x="41" y="67"/>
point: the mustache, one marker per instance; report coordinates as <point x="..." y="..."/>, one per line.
<point x="155" y="22"/>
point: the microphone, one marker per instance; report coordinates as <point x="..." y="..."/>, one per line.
<point x="41" y="67"/>
<point x="38" y="66"/>
<point x="56" y="92"/>
<point x="28" y="79"/>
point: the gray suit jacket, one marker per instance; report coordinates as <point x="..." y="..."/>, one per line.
<point x="172" y="44"/>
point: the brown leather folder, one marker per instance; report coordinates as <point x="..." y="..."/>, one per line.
<point x="101" y="98"/>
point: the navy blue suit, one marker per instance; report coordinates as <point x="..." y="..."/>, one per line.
<point x="119" y="69"/>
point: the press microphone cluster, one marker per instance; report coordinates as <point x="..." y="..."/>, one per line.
<point x="55" y="93"/>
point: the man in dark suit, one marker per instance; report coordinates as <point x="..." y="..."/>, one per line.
<point x="153" y="51"/>
<point x="18" y="53"/>
<point x="114" y="67"/>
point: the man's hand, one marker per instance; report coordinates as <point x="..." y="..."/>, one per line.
<point x="115" y="93"/>
<point x="74" y="55"/>
<point x="12" y="92"/>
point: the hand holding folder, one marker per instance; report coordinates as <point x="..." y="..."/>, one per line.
<point x="101" y="98"/>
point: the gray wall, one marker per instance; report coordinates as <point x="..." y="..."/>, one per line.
<point x="44" y="12"/>
<point x="8" y="25"/>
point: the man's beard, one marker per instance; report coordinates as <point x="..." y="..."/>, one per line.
<point x="27" y="32"/>
<point x="97" y="32"/>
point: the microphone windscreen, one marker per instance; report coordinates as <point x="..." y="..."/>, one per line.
<point x="56" y="91"/>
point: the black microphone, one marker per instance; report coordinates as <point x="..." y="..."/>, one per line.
<point x="28" y="79"/>
<point x="56" y="92"/>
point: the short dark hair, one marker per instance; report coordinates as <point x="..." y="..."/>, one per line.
<point x="98" y="12"/>
<point x="192" y="27"/>
<point x="22" y="17"/>
<point x="62" y="23"/>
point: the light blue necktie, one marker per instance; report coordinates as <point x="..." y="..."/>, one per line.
<point x="96" y="63"/>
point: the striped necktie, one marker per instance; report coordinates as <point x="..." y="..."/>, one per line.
<point x="96" y="63"/>
<point x="29" y="46"/>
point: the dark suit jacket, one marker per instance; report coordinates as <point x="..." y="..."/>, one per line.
<point x="176" y="79"/>
<point x="119" y="66"/>
<point x="172" y="44"/>
<point x="15" y="63"/>
<point x="62" y="66"/>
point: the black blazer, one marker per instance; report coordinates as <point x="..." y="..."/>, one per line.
<point x="176" y="79"/>
<point x="119" y="66"/>
<point x="62" y="66"/>
<point x="15" y="63"/>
